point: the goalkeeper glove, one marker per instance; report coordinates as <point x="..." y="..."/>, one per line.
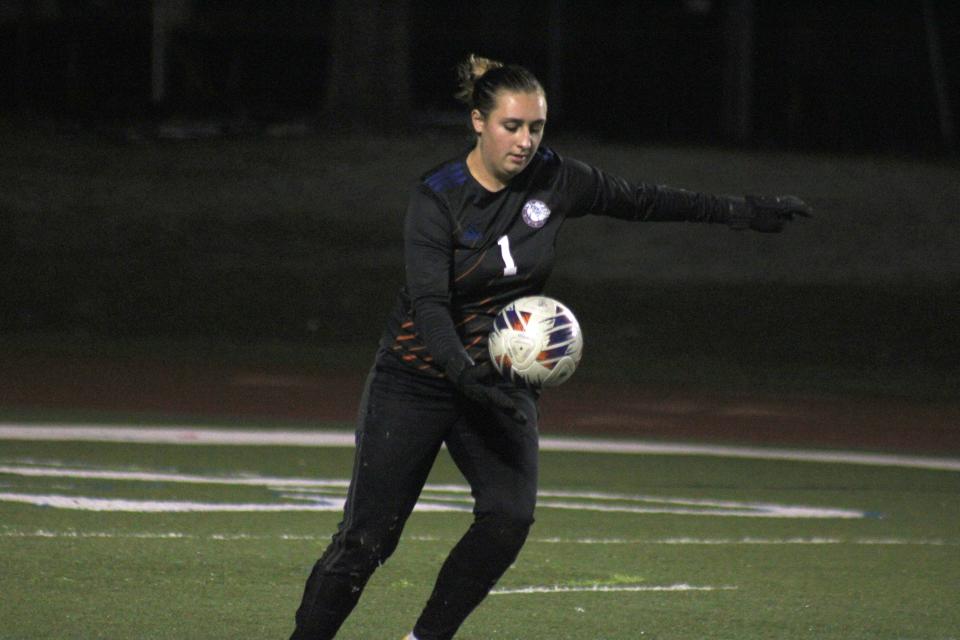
<point x="476" y="382"/>
<point x="767" y="214"/>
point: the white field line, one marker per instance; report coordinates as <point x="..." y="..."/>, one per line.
<point x="314" y="495"/>
<point x="83" y="503"/>
<point x="768" y="511"/>
<point x="691" y="502"/>
<point x="750" y="541"/>
<point x="178" y="478"/>
<point x="601" y="588"/>
<point x="705" y="507"/>
<point x="187" y="435"/>
<point x="181" y="435"/>
<point x="289" y="537"/>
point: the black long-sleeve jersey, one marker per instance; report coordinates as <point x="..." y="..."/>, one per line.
<point x="469" y="251"/>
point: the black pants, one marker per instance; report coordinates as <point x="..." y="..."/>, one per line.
<point x="404" y="419"/>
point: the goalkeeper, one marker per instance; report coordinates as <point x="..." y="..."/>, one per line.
<point x="479" y="232"/>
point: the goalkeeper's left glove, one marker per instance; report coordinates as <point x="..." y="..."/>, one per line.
<point x="477" y="383"/>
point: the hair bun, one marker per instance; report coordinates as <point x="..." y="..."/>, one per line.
<point x="480" y="65"/>
<point x="469" y="71"/>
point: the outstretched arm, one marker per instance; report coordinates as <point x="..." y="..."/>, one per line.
<point x="604" y="194"/>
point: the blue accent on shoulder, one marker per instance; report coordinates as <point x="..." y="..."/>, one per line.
<point x="547" y="153"/>
<point x="447" y="177"/>
<point x="472" y="234"/>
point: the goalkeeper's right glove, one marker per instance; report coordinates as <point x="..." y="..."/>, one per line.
<point x="477" y="383"/>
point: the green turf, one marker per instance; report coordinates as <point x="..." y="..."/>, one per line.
<point x="78" y="574"/>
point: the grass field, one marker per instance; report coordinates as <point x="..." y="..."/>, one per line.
<point x="164" y="539"/>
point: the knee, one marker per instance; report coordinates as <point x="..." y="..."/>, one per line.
<point x="360" y="551"/>
<point x="508" y="531"/>
<point x="514" y="512"/>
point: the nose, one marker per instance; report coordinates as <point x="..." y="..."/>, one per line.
<point x="526" y="140"/>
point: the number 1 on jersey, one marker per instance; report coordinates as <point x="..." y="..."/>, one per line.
<point x="509" y="266"/>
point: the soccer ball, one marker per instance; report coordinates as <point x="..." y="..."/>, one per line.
<point x="535" y="341"/>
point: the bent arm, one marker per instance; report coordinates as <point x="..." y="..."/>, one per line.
<point x="428" y="255"/>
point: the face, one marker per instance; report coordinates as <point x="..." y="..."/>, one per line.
<point x="509" y="136"/>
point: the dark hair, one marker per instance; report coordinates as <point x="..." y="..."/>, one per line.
<point x="481" y="79"/>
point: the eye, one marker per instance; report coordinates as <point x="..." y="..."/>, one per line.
<point x="511" y="126"/>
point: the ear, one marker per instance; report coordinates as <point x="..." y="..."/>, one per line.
<point x="478" y="121"/>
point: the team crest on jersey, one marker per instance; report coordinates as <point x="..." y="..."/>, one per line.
<point x="535" y="213"/>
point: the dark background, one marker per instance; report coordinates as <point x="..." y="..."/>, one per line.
<point x="851" y="75"/>
<point x="225" y="179"/>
